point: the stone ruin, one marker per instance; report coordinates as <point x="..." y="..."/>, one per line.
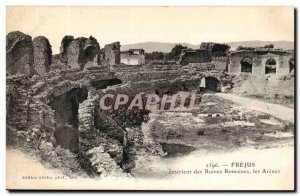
<point x="19" y="54"/>
<point x="257" y="61"/>
<point x="215" y="49"/>
<point x="57" y="111"/>
<point x="80" y="52"/>
<point x="260" y="61"/>
<point x="111" y="54"/>
<point x="194" y="56"/>
<point x="208" y="52"/>
<point x="24" y="56"/>
<point x="42" y="55"/>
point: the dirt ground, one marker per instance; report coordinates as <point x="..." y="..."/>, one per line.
<point x="278" y="89"/>
<point x="221" y="126"/>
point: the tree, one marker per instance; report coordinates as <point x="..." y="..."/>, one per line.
<point x="269" y="46"/>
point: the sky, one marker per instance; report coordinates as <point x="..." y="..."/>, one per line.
<point x="160" y="24"/>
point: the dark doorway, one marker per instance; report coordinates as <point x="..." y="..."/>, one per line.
<point x="66" y="115"/>
<point x="212" y="84"/>
<point x="89" y="54"/>
<point x="246" y="65"/>
<point x="103" y="84"/>
<point x="270" y="66"/>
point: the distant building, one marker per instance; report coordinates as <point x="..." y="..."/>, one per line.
<point x="208" y="52"/>
<point x="259" y="61"/>
<point x="133" y="57"/>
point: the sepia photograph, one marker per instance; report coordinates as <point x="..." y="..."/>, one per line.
<point x="150" y="98"/>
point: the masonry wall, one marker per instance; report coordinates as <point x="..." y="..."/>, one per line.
<point x="259" y="62"/>
<point x="74" y="54"/>
<point x="42" y="55"/>
<point x="194" y="56"/>
<point x="112" y="53"/>
<point x="19" y="54"/>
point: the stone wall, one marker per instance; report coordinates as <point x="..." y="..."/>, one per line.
<point x="59" y="107"/>
<point x="42" y="54"/>
<point x="194" y="56"/>
<point x="19" y="54"/>
<point x="215" y="49"/>
<point x="80" y="52"/>
<point x="111" y="53"/>
<point x="259" y="59"/>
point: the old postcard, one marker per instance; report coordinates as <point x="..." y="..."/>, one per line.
<point x="150" y="98"/>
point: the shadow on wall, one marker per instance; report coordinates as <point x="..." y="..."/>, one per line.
<point x="66" y="115"/>
<point x="270" y="66"/>
<point x="246" y="65"/>
<point x="102" y="84"/>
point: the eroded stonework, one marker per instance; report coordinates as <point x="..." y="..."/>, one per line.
<point x="42" y="54"/>
<point x="111" y="54"/>
<point x="81" y="52"/>
<point x="19" y="54"/>
<point x="260" y="61"/>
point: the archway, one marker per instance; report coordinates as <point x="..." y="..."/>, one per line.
<point x="270" y="66"/>
<point x="90" y="54"/>
<point x="246" y="65"/>
<point x="210" y="84"/>
<point x="66" y="115"/>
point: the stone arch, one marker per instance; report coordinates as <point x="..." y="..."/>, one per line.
<point x="89" y="54"/>
<point x="210" y="83"/>
<point x="270" y="66"/>
<point x="246" y="64"/>
<point x="65" y="106"/>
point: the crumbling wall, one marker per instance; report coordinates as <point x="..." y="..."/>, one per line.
<point x="100" y="153"/>
<point x="42" y="54"/>
<point x="75" y="54"/>
<point x="66" y="116"/>
<point x="218" y="53"/>
<point x="194" y="56"/>
<point x="64" y="45"/>
<point x="17" y="100"/>
<point x="19" y="54"/>
<point x="215" y="49"/>
<point x="80" y="52"/>
<point x="111" y="53"/>
<point x="258" y="60"/>
<point x="102" y="143"/>
<point x="30" y="120"/>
